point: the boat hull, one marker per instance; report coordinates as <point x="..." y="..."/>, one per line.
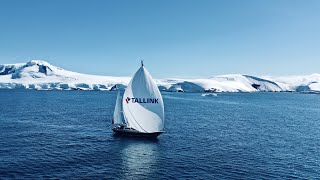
<point x="122" y="132"/>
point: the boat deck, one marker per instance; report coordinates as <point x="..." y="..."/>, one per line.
<point x="132" y="132"/>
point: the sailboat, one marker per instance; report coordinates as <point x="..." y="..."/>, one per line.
<point x="140" y="110"/>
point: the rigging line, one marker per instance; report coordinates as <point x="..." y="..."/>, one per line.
<point x="125" y="119"/>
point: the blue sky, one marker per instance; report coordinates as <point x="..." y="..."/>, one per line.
<point x="176" y="38"/>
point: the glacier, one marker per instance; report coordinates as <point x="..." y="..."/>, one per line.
<point x="41" y="75"/>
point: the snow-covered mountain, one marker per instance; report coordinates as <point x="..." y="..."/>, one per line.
<point x="225" y="83"/>
<point x="298" y="83"/>
<point x="41" y="75"/>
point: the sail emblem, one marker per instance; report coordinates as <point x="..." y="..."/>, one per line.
<point x="142" y="100"/>
<point x="128" y="100"/>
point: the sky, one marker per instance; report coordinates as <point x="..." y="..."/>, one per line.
<point x="176" y="38"/>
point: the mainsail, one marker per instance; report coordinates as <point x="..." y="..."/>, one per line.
<point x="142" y="103"/>
<point x="117" y="116"/>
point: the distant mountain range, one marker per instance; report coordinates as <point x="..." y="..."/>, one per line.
<point x="41" y="75"/>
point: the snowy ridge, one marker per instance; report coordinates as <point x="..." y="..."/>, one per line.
<point x="225" y="83"/>
<point x="298" y="83"/>
<point x="41" y="75"/>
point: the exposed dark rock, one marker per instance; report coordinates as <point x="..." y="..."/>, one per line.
<point x="6" y="70"/>
<point x="211" y="90"/>
<point x="43" y="69"/>
<point x="303" y="88"/>
<point x="256" y="86"/>
<point x="117" y="87"/>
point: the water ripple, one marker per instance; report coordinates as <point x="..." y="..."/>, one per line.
<point x="66" y="135"/>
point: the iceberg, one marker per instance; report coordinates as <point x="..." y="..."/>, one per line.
<point x="209" y="95"/>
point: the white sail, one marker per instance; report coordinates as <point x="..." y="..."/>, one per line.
<point x="117" y="116"/>
<point x="142" y="103"/>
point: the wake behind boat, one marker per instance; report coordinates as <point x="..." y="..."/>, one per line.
<point x="140" y="111"/>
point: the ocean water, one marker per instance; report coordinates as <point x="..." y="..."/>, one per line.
<point x="67" y="135"/>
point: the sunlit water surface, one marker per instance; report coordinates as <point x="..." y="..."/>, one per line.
<point x="67" y="134"/>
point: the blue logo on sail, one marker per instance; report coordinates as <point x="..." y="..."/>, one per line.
<point x="142" y="100"/>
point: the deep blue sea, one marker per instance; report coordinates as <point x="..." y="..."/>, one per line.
<point x="67" y="135"/>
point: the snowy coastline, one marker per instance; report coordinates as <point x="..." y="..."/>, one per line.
<point x="40" y="75"/>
